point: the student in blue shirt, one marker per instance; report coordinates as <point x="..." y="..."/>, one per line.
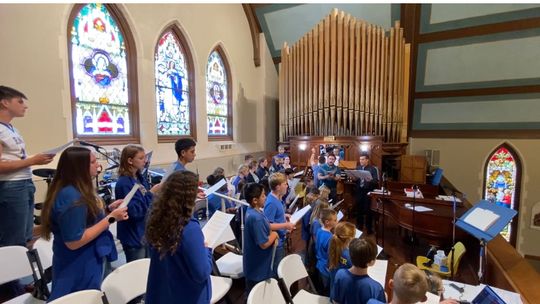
<point x="131" y="232"/>
<point x="75" y="215"/>
<point x="180" y="263"/>
<point x="338" y="252"/>
<point x="242" y="173"/>
<point x="354" y="285"/>
<point x="262" y="169"/>
<point x="185" y="150"/>
<point x="409" y="285"/>
<point x="258" y="238"/>
<point x="274" y="210"/>
<point x="322" y="243"/>
<point x="216" y="202"/>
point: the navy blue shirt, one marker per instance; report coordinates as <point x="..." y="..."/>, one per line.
<point x="275" y="213"/>
<point x="257" y="261"/>
<point x="82" y="268"/>
<point x="131" y="231"/>
<point x="350" y="288"/>
<point x="184" y="276"/>
<point x="306" y="227"/>
<point x="344" y="263"/>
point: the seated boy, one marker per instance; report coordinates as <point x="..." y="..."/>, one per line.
<point x="354" y="285"/>
<point x="409" y="286"/>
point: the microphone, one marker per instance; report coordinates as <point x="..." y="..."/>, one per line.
<point x="384" y="177"/>
<point x="112" y="167"/>
<point x="84" y="143"/>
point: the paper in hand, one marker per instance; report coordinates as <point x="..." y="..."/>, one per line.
<point x="216" y="227"/>
<point x="215" y="187"/>
<point x="129" y="196"/>
<point x="340" y="216"/>
<point x="299" y="214"/>
<point x="58" y="149"/>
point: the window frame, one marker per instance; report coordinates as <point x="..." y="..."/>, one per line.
<point x="229" y="136"/>
<point x="131" y="64"/>
<point x="184" y="47"/>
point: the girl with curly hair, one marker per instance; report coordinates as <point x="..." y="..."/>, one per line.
<point x="180" y="263"/>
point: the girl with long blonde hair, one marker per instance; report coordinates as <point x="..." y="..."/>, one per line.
<point x="338" y="252"/>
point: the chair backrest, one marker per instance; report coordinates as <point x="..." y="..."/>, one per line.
<point x="45" y="251"/>
<point x="291" y="269"/>
<point x="437" y="176"/>
<point x="126" y="282"/>
<point x="14" y="263"/>
<point x="266" y="292"/>
<point x="90" y="296"/>
<point x="459" y="251"/>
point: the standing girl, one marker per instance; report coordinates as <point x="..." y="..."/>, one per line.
<point x="338" y="252"/>
<point x="180" y="262"/>
<point x="74" y="214"/>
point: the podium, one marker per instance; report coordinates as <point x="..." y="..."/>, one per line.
<point x="476" y="222"/>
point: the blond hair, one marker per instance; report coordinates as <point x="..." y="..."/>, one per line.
<point x="410" y="284"/>
<point x="276" y="179"/>
<point x="343" y="234"/>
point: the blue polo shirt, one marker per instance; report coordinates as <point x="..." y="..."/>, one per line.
<point x="322" y="243"/>
<point x="324" y="170"/>
<point x="315" y="227"/>
<point x="214" y="203"/>
<point x="344" y="263"/>
<point x="275" y="213"/>
<point x="350" y="288"/>
<point x="178" y="166"/>
<point x="257" y="261"/>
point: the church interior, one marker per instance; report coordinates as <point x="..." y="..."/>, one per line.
<point x="442" y="97"/>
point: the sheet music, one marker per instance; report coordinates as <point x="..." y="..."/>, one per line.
<point x="418" y="208"/>
<point x="336" y="205"/>
<point x="431" y="299"/>
<point x="379" y="250"/>
<point x="359" y="174"/>
<point x="358" y="234"/>
<point x="58" y="149"/>
<point x="481" y="218"/>
<point x="380" y="191"/>
<point x="378" y="271"/>
<point x="340" y="215"/>
<point x="300" y="173"/>
<point x="448" y="198"/>
<point x="216" y="227"/>
<point x="148" y="158"/>
<point x="215" y="187"/>
<point x="295" y="217"/>
<point x="129" y="196"/>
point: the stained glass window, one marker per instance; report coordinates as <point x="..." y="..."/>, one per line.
<point x="99" y="73"/>
<point x="217" y="96"/>
<point x="172" y="87"/>
<point x="501" y="179"/>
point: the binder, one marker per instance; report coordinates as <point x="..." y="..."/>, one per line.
<point x="505" y="216"/>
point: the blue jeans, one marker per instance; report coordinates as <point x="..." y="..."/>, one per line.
<point x="16" y="212"/>
<point x="134" y="253"/>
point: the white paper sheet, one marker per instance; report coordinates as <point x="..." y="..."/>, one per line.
<point x="337" y="204"/>
<point x="481" y="218"/>
<point x="216" y="227"/>
<point x="300" y="173"/>
<point x="378" y="271"/>
<point x="358" y="234"/>
<point x="295" y="217"/>
<point x="340" y="216"/>
<point x="215" y="187"/>
<point x="129" y="196"/>
<point x="431" y="299"/>
<point x="58" y="149"/>
<point x="418" y="208"/>
<point x="359" y="174"/>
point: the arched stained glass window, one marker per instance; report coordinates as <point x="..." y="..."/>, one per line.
<point x="174" y="78"/>
<point x="502" y="184"/>
<point x="101" y="89"/>
<point x="218" y="97"/>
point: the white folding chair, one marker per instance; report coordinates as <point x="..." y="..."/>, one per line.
<point x="220" y="287"/>
<point x="266" y="292"/>
<point x="126" y="282"/>
<point x="290" y="270"/>
<point x="90" y="296"/>
<point x="14" y="265"/>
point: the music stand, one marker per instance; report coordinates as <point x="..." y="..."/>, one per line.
<point x="383" y="255"/>
<point x="484" y="235"/>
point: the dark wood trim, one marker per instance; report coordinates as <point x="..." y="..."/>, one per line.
<point x="410" y="16"/>
<point x="184" y="48"/>
<point x="485" y="29"/>
<point x="133" y="93"/>
<point x="255" y="30"/>
<point x="230" y="136"/>
<point x="479" y="92"/>
<point x="510" y="134"/>
<point x="532" y="257"/>
<point x="276" y="60"/>
<point x="517" y="186"/>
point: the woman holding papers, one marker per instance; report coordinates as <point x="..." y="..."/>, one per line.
<point x="180" y="262"/>
<point x="258" y="238"/>
<point x="74" y="214"/>
<point x="131" y="232"/>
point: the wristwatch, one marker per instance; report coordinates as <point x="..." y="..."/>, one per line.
<point x="111" y="219"/>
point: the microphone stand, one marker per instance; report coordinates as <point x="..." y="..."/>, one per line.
<point x="413" y="247"/>
<point x="383" y="255"/>
<point x="99" y="149"/>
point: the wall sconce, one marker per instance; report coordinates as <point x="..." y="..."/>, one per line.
<point x="302" y="146"/>
<point x="364" y="147"/>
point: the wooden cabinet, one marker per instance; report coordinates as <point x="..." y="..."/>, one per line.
<point x="413" y="169"/>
